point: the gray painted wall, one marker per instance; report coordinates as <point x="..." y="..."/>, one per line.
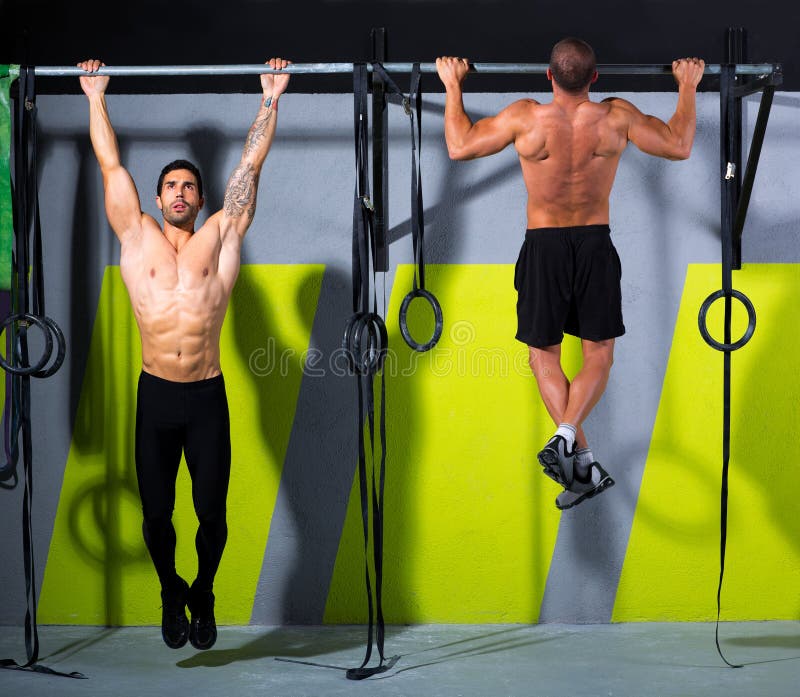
<point x="663" y="216"/>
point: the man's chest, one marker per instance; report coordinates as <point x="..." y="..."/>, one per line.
<point x="158" y="267"/>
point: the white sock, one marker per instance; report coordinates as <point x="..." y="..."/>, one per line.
<point x="583" y="460"/>
<point x="567" y="432"/>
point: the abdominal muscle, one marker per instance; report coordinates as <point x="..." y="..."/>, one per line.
<point x="179" y="307"/>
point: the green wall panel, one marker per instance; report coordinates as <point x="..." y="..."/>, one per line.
<point x="98" y="570"/>
<point x="672" y="563"/>
<point x="470" y="521"/>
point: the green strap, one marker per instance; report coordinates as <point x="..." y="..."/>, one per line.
<point x="8" y="73"/>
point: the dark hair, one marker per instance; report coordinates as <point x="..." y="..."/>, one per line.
<point x="573" y="64"/>
<point x="180" y="164"/>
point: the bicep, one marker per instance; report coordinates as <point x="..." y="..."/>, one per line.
<point x="123" y="207"/>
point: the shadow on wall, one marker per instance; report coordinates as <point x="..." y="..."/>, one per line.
<point x="103" y="495"/>
<point x="94" y="518"/>
<point x="83" y="297"/>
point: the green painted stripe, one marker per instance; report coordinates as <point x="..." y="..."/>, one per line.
<point x="7" y="76"/>
<point x="671" y="567"/>
<point x="470" y="522"/>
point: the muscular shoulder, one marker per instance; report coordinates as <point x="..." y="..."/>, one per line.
<point x="621" y="108"/>
<point x="520" y="115"/>
<point x="622" y="114"/>
<point x="522" y="108"/>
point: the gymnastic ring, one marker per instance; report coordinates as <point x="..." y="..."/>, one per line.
<point x="437" y="313"/>
<point x="751" y="320"/>
<point x="61" y="343"/>
<point x="370" y="360"/>
<point x="347" y="339"/>
<point x="48" y="344"/>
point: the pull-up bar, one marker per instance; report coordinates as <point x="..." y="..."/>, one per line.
<point x="758" y="69"/>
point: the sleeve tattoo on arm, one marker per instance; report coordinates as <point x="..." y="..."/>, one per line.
<point x="240" y="195"/>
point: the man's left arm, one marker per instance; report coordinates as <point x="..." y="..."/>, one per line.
<point x="239" y="205"/>
<point x="672" y="140"/>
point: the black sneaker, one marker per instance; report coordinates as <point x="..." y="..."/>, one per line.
<point x="174" y="625"/>
<point x="558" y="464"/>
<point x="203" y="632"/>
<point x="599" y="481"/>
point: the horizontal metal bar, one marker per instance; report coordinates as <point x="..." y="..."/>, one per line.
<point x="334" y="68"/>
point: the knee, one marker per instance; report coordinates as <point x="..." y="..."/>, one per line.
<point x="212" y="518"/>
<point x="542" y="364"/>
<point x="157" y="526"/>
<point x="603" y="360"/>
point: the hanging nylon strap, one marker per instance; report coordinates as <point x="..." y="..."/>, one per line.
<point x="365" y="361"/>
<point x="727" y="147"/>
<point x="31" y="308"/>
<point x="412" y="104"/>
<point x="8" y="469"/>
<point x="26" y="217"/>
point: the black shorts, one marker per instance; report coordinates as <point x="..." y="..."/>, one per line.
<point x="568" y="280"/>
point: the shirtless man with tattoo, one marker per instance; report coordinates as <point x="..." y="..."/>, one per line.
<point x="180" y="280"/>
<point x="568" y="272"/>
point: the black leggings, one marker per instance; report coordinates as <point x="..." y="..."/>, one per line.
<point x="188" y="417"/>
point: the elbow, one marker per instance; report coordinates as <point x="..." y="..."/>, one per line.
<point x="683" y="154"/>
<point x="684" y="150"/>
<point x="457" y="153"/>
<point x="680" y="151"/>
<point x="682" y="146"/>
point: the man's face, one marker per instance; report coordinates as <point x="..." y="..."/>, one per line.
<point x="180" y="201"/>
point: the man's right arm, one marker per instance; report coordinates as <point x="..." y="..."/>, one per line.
<point x="122" y="200"/>
<point x="672" y="140"/>
<point x="467" y="140"/>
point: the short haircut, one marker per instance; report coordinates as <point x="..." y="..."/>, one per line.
<point x="573" y="64"/>
<point x="180" y="164"/>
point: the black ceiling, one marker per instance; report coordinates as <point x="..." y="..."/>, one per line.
<point x="146" y="32"/>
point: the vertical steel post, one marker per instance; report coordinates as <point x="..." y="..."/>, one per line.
<point x="734" y="54"/>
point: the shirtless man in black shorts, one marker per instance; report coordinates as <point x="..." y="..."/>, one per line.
<point x="568" y="272"/>
<point x="180" y="281"/>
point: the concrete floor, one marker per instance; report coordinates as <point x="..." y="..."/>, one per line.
<point x="641" y="660"/>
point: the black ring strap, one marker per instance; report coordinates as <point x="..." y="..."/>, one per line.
<point x="27" y="307"/>
<point x="365" y="345"/>
<point x="413" y="107"/>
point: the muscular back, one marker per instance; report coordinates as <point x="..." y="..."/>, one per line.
<point x="569" y="157"/>
<point x="569" y="149"/>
